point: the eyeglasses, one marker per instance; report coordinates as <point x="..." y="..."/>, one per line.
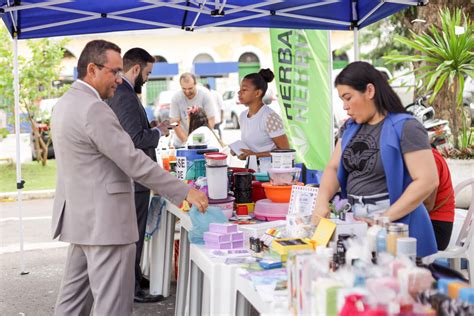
<point x="116" y="72"/>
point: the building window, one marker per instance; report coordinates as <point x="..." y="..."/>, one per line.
<point x="248" y="63"/>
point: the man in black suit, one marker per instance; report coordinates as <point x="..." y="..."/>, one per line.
<point x="137" y="66"/>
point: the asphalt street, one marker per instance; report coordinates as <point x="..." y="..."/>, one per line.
<point x="35" y="293"/>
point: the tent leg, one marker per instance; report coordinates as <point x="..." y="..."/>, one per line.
<point x="356" y="44"/>
<point x="19" y="181"/>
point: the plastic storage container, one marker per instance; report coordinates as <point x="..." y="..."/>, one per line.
<point x="278" y="193"/>
<point x="283" y="158"/>
<point x="217" y="182"/>
<point x="284" y="176"/>
<point x="215" y="159"/>
<point x="266" y="210"/>
<point x="226" y="205"/>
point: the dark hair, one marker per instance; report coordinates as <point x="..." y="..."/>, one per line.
<point x="359" y="74"/>
<point x="136" y="56"/>
<point x="207" y="86"/>
<point x="197" y="119"/>
<point x="260" y="80"/>
<point x="94" y="52"/>
<point x="186" y="76"/>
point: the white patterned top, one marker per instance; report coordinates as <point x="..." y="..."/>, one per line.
<point x="257" y="131"/>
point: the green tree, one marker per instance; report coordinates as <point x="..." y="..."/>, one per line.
<point x="37" y="75"/>
<point x="380" y="35"/>
<point x="445" y="57"/>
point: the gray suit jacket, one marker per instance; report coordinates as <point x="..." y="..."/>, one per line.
<point x="96" y="160"/>
<point x="132" y="117"/>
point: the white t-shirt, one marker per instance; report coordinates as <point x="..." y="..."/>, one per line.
<point x="257" y="131"/>
<point x="209" y="138"/>
<point x="180" y="103"/>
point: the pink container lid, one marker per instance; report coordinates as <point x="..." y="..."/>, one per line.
<point x="215" y="156"/>
<point x="267" y="210"/>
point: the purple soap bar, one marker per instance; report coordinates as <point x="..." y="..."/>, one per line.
<point x="214" y="237"/>
<point x="216" y="245"/>
<point x="237" y="244"/>
<point x="237" y="236"/>
<point x="222" y="228"/>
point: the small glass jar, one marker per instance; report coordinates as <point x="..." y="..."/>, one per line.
<point x="395" y="231"/>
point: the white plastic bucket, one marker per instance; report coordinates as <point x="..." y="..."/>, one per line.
<point x="283" y="158"/>
<point x="217" y="182"/>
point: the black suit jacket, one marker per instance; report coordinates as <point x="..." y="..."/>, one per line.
<point x="132" y="117"/>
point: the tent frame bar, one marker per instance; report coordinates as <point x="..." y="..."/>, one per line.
<point x="27" y="6"/>
<point x="176" y="5"/>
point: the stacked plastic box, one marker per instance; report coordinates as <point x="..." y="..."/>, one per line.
<point x="223" y="236"/>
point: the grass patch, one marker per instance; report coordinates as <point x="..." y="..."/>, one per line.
<point x="35" y="175"/>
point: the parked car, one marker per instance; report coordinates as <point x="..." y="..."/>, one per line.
<point x="162" y="105"/>
<point x="233" y="108"/>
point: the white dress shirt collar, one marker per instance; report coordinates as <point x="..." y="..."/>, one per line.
<point x="126" y="80"/>
<point x="91" y="87"/>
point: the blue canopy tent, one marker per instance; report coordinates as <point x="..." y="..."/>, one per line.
<point x="49" y="18"/>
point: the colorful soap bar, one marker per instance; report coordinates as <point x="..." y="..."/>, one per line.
<point x="455" y="287"/>
<point x="237" y="236"/>
<point x="217" y="245"/>
<point x="215" y="237"/>
<point x="222" y="228"/>
<point x="467" y="295"/>
<point x="237" y="244"/>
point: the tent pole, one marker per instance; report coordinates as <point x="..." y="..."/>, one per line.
<point x="356" y="44"/>
<point x="330" y="90"/>
<point x="19" y="181"/>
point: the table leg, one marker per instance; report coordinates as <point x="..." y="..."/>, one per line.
<point x="242" y="305"/>
<point x="161" y="255"/>
<point x="183" y="275"/>
<point x="195" y="290"/>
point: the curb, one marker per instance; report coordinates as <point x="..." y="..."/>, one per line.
<point x="27" y="195"/>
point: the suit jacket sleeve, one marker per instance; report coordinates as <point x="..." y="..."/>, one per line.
<point x="107" y="135"/>
<point x="127" y="111"/>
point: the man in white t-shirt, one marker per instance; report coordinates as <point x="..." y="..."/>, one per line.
<point x="190" y="95"/>
<point x="219" y="102"/>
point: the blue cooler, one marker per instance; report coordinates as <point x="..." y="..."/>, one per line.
<point x="190" y="163"/>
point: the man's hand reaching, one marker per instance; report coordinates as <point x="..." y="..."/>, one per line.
<point x="198" y="198"/>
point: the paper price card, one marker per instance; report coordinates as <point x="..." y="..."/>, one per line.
<point x="302" y="200"/>
<point x="181" y="167"/>
<point x="323" y="232"/>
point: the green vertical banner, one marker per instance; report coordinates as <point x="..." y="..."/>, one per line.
<point x="302" y="66"/>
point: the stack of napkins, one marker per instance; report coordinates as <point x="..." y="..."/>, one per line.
<point x="223" y="236"/>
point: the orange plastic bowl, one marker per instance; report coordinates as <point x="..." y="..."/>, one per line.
<point x="278" y="193"/>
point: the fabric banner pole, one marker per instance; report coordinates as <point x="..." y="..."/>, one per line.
<point x="331" y="101"/>
<point x="302" y="64"/>
<point x="19" y="181"/>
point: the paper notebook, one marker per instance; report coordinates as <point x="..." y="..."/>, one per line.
<point x="237" y="147"/>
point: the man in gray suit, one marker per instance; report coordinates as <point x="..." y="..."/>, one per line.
<point x="137" y="65"/>
<point x="93" y="206"/>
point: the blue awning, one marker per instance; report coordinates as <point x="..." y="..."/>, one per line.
<point x="47" y="18"/>
<point x="215" y="69"/>
<point x="164" y="70"/>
